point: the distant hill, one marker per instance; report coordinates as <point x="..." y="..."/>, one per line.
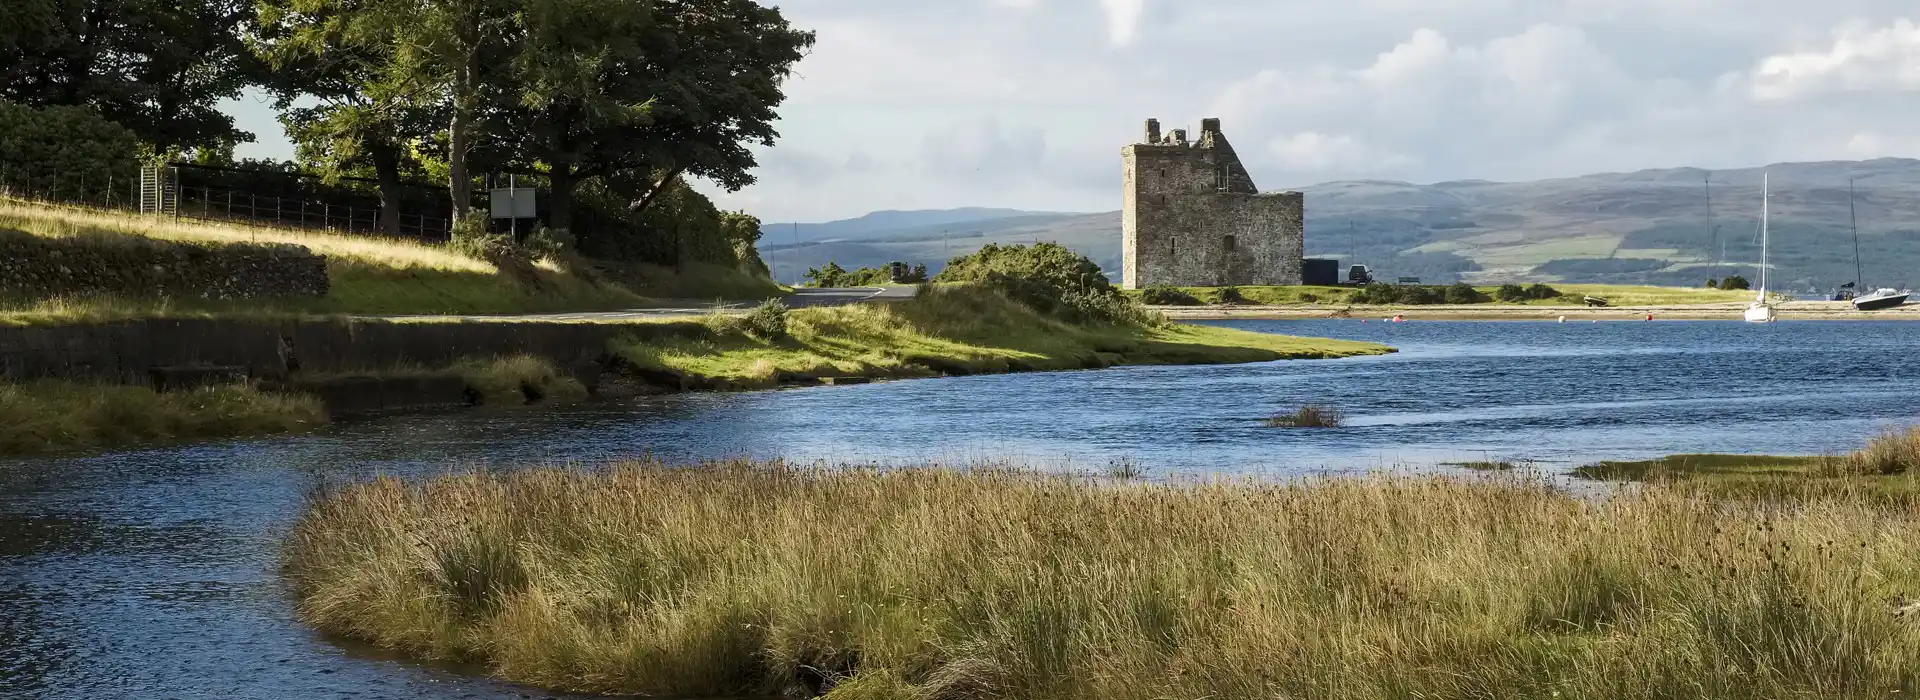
<point x="1650" y="226"/>
<point x="889" y="224"/>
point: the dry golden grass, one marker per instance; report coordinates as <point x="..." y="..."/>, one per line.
<point x="384" y="252"/>
<point x="736" y="578"/>
<point x="369" y="275"/>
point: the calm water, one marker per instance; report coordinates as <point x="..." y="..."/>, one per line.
<point x="149" y="573"/>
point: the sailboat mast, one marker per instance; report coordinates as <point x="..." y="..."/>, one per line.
<point x="1853" y="219"/>
<point x="1766" y="207"/>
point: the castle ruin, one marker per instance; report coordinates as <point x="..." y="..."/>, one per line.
<point x="1193" y="218"/>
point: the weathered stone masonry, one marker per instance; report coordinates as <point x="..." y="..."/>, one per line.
<point x="1193" y="218"/>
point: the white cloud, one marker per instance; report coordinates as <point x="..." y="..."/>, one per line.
<point x="1027" y="103"/>
<point x="1861" y="58"/>
<point x="1123" y="19"/>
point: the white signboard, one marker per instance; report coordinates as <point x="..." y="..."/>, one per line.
<point x="512" y="202"/>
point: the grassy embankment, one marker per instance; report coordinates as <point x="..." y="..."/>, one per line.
<point x="1886" y="471"/>
<point x="739" y="579"/>
<point x="1615" y="294"/>
<point x="952" y="330"/>
<point x="51" y="415"/>
<point x="48" y="416"/>
<point x="369" y="275"/>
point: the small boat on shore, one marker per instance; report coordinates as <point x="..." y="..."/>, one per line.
<point x="1880" y="299"/>
<point x="1884" y="298"/>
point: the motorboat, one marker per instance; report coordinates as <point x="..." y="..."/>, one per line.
<point x="1883" y="298"/>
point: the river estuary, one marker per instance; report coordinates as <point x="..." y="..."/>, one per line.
<point x="149" y="573"/>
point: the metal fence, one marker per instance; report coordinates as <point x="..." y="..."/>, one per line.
<point x="159" y="190"/>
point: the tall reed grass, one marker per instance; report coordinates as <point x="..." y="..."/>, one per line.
<point x="744" y="578"/>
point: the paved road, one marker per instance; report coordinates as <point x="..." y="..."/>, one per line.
<point x="799" y="299"/>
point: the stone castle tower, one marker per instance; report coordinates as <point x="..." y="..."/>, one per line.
<point x="1193" y="218"/>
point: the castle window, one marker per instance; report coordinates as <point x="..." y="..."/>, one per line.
<point x="1228" y="241"/>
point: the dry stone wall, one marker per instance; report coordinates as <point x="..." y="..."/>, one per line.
<point x="37" y="267"/>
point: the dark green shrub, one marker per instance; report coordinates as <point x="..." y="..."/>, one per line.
<point x="66" y="152"/>
<point x="1049" y="279"/>
<point x="1713" y="283"/>
<point x="1231" y="296"/>
<point x="1388" y="294"/>
<point x="1511" y="293"/>
<point x="1541" y="291"/>
<point x="471" y="238"/>
<point x="1163" y="295"/>
<point x="1735" y="283"/>
<point x="1463" y="293"/>
<point x="768" y="321"/>
<point x="548" y="243"/>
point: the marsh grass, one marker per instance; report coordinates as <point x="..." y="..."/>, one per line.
<point x="742" y="578"/>
<point x="369" y="275"/>
<point x="51" y="415"/>
<point x="1879" y="473"/>
<point x="951" y="330"/>
<point x="1308" y="416"/>
<point x="518" y="380"/>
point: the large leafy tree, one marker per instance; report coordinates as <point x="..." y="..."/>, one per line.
<point x="716" y="70"/>
<point x="156" y="67"/>
<point x="359" y="113"/>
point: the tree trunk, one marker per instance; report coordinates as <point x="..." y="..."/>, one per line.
<point x="459" y="183"/>
<point x="386" y="169"/>
<point x="560" y="211"/>
<point x="659" y="188"/>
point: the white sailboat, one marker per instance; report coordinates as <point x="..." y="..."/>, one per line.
<point x="1760" y="311"/>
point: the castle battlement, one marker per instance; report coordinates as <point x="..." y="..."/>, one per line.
<point x="1192" y="215"/>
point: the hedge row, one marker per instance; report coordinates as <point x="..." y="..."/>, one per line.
<point x="37" y="267"/>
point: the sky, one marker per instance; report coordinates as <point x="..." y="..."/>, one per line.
<point x="917" y="104"/>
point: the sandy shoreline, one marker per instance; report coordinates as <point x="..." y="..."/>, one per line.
<point x="1789" y="311"/>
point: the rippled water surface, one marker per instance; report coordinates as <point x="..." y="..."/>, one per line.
<point x="149" y="573"/>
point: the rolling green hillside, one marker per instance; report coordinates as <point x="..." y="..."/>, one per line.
<point x="1647" y="227"/>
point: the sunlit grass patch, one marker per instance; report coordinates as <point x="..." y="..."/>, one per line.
<point x="369" y="275"/>
<point x="954" y="330"/>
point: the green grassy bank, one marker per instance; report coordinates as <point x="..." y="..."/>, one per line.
<point x="48" y="416"/>
<point x="951" y="330"/>
<point x="1570" y="294"/>
<point x="51" y="415"/>
<point x="740" y="579"/>
<point x="369" y="275"/>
